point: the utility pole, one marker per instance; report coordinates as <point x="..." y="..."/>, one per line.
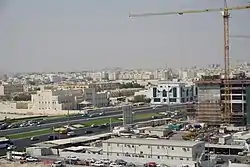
<point x="68" y="118"/>
<point x="110" y="124"/>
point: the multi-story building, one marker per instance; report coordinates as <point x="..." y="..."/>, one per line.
<point x="167" y="151"/>
<point x="44" y="100"/>
<point x="14" y="88"/>
<point x="68" y="99"/>
<point x="173" y="92"/>
<point x="211" y="99"/>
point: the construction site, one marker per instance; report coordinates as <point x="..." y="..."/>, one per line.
<point x="211" y="100"/>
<point x="224" y="98"/>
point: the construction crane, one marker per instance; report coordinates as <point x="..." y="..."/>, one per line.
<point x="239" y="36"/>
<point x="225" y="13"/>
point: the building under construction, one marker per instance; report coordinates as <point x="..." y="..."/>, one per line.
<point x="211" y="100"/>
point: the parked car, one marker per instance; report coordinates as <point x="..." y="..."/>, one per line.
<point x="31" y="159"/>
<point x="57" y="164"/>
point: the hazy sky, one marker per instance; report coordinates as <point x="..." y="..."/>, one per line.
<point x="62" y="35"/>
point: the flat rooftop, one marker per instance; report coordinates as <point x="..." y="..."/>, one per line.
<point x="155" y="142"/>
<point x="208" y="145"/>
<point x="73" y="140"/>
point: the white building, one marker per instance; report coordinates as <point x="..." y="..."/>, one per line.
<point x="55" y="78"/>
<point x="67" y="99"/>
<point x="165" y="151"/>
<point x="173" y="92"/>
<point x="1" y="90"/>
<point x="44" y="100"/>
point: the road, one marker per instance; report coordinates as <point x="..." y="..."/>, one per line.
<point x="26" y="142"/>
<point x="115" y="114"/>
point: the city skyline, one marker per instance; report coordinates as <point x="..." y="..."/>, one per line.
<point x="49" y="36"/>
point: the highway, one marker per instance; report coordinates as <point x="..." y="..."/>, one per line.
<point x="26" y="142"/>
<point x="114" y="114"/>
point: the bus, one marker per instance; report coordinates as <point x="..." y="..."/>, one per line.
<point x="5" y="143"/>
<point x="18" y="155"/>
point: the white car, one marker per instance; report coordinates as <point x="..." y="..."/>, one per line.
<point x="73" y="158"/>
<point x="31" y="159"/>
<point x="71" y="133"/>
<point x="57" y="164"/>
<point x="99" y="164"/>
<point x="114" y="165"/>
<point x="106" y="161"/>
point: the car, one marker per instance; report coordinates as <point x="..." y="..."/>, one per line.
<point x="34" y="138"/>
<point x="73" y="158"/>
<point x="120" y="162"/>
<point x="106" y="161"/>
<point x="150" y="164"/>
<point x="31" y="159"/>
<point x="51" y="137"/>
<point x="11" y="147"/>
<point x="99" y="164"/>
<point x="130" y="164"/>
<point x="93" y="126"/>
<point x="115" y="165"/>
<point x="71" y="133"/>
<point x="88" y="132"/>
<point x="57" y="164"/>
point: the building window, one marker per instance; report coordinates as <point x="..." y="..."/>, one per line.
<point x="172" y="148"/>
<point x="172" y="100"/>
<point x="158" y="157"/>
<point x="164" y="100"/>
<point x="157" y="100"/>
<point x="181" y="158"/>
<point x="108" y="144"/>
<point x="117" y="154"/>
<point x="154" y="92"/>
<point x="158" y="147"/>
<point x="117" y="145"/>
<point x="164" y="93"/>
<point x="174" y="92"/>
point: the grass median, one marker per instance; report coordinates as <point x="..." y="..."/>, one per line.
<point x="30" y="134"/>
<point x="48" y="131"/>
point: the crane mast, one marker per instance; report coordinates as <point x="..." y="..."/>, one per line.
<point x="226" y="114"/>
<point x="227" y="100"/>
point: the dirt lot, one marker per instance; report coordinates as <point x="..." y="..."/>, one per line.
<point x="5" y="163"/>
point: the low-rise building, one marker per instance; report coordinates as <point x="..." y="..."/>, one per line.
<point x="186" y="152"/>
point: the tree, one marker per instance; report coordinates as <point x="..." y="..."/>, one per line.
<point x="22" y="97"/>
<point x="130" y="85"/>
<point x="141" y="98"/>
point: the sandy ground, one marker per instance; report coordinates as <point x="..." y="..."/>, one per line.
<point x="12" y="116"/>
<point x="17" y="164"/>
